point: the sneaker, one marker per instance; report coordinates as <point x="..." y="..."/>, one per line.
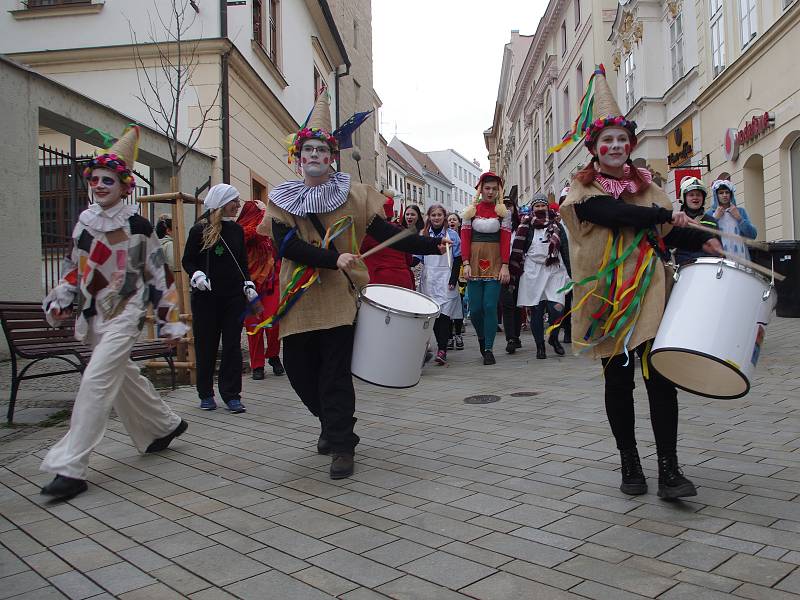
<point x="162" y="443"/>
<point x="64" y="488"/>
<point x="341" y="465"/>
<point x="208" y="404"/>
<point x="517" y="343"/>
<point x="235" y="406"/>
<point x="428" y="356"/>
<point x="511" y="347"/>
<point x="451" y="344"/>
<point x="277" y="366"/>
<point x="441" y="357"/>
<point x="459" y="342"/>
<point x="488" y="357"/>
<point x="258" y="373"/>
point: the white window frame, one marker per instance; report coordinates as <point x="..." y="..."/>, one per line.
<point x="629" y="70"/>
<point x="717" y="36"/>
<point x="749" y="20"/>
<point x="676" y="47"/>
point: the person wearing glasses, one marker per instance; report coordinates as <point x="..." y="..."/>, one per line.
<point x="115" y="269"/>
<point x="221" y="293"/>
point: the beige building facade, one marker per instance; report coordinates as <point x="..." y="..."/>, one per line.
<point x="749" y="106"/>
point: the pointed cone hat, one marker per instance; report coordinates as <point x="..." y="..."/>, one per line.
<point x="127" y="146"/>
<point x="605" y="105"/>
<point x="320" y="117"/>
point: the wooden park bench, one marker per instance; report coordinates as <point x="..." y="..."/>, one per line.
<point x="31" y="337"/>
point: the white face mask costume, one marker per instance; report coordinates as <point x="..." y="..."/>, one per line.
<point x="315" y="158"/>
<point x="106" y="188"/>
<point x="613" y="147"/>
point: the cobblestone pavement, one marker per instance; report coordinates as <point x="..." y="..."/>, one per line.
<point x="515" y="499"/>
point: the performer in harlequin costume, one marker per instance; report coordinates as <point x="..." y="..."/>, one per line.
<point x="115" y="270"/>
<point x="620" y="225"/>
<point x="485" y="250"/>
<point x="264" y="266"/>
<point x="317" y="224"/>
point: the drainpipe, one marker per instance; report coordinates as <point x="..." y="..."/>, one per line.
<point x="225" y="100"/>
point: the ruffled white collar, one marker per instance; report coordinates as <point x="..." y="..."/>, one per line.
<point x="105" y="220"/>
<point x="297" y="198"/>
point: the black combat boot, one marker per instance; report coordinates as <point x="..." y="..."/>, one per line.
<point x="633" y="481"/>
<point x="671" y="482"/>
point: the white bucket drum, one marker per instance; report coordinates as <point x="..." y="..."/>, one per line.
<point x="713" y="328"/>
<point x="393" y="327"/>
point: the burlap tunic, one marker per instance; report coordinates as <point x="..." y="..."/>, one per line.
<point x="330" y="302"/>
<point x="587" y="243"/>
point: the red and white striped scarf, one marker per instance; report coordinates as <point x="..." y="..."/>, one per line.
<point x="615" y="187"/>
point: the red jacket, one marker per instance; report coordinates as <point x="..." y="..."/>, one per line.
<point x="388" y="266"/>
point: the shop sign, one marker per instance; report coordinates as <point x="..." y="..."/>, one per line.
<point x="734" y="139"/>
<point x="679" y="144"/>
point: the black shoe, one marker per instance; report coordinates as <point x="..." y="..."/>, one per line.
<point x="671" y="482"/>
<point x="511" y="347"/>
<point x="517" y="343"/>
<point x="540" y="351"/>
<point x="64" y="488"/>
<point x="277" y="366"/>
<point x="162" y="443"/>
<point x="488" y="357"/>
<point x="633" y="481"/>
<point x="341" y="465"/>
<point x="556" y="344"/>
<point x="258" y="373"/>
<point x="323" y="445"/>
<point x="567" y="336"/>
<point x="480" y="346"/>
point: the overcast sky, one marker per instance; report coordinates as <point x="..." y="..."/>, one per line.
<point x="437" y="67"/>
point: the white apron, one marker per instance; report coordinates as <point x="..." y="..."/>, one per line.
<point x="435" y="283"/>
<point x="538" y="281"/>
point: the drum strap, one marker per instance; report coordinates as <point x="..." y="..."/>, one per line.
<point x="321" y="231"/>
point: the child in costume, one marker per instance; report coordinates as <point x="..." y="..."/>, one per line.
<point x="620" y="226"/>
<point x="116" y="268"/>
<point x="388" y="266"/>
<point x="485" y="249"/>
<point x="318" y="223"/>
<point x="221" y="289"/>
<point x="730" y="218"/>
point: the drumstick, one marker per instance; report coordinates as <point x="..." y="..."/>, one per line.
<point x="449" y="258"/>
<point x="395" y="238"/>
<point x="728" y="234"/>
<point x="751" y="265"/>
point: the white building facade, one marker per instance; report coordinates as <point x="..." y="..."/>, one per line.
<point x="438" y="188"/>
<point x="462" y="173"/>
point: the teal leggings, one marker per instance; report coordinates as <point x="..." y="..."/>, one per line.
<point x="483" y="297"/>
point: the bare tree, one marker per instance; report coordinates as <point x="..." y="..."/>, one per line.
<point x="163" y="86"/>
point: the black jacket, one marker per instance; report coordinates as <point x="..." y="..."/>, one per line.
<point x="219" y="262"/>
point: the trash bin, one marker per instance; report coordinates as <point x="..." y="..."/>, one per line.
<point x="784" y="255"/>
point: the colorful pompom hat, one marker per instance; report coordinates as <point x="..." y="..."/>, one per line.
<point x="316" y="126"/>
<point x="120" y="157"/>
<point x="598" y="109"/>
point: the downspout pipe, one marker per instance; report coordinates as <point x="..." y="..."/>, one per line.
<point x="225" y="91"/>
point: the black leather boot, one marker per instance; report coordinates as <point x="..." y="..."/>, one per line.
<point x="540" y="350"/>
<point x="341" y="465"/>
<point x="555" y="343"/>
<point x="277" y="366"/>
<point x="511" y="347"/>
<point x="633" y="481"/>
<point x="64" y="488"/>
<point x="671" y="482"/>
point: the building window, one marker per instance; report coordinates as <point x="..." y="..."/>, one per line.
<point x="628" y="72"/>
<point x="265" y="27"/>
<point x="355" y="34"/>
<point x="319" y="82"/>
<point x="563" y="38"/>
<point x="548" y="130"/>
<point x="577" y="4"/>
<point x="747" y="12"/>
<point x="717" y="21"/>
<point x="676" y="47"/>
<point x="536" y="154"/>
<point x="579" y="80"/>
<point x="567" y="112"/>
<point x="527" y="172"/>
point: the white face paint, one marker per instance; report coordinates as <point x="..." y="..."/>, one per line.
<point x="106" y="188"/>
<point x="315" y="158"/>
<point x="613" y="147"/>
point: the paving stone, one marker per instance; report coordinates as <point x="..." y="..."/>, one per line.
<point x="10" y="564"/>
<point x="311" y="522"/>
<point x="545" y="537"/>
<point x="634" y="541"/>
<point x="75" y="585"/>
<point x="145" y="559"/>
<point x="445" y="526"/>
<point x="278" y="560"/>
<point x="45" y="564"/>
<point x="697" y="556"/>
<point x="325" y="581"/>
<point x="708" y="580"/>
<point x="122" y="514"/>
<point x="152" y="530"/>
<point x="630" y="580"/>
<point x="484" y="504"/>
<point x="120" y="578"/>
<point x="533" y="516"/>
<point x="277" y="585"/>
<point x="505" y="586"/>
<point x="413" y="588"/>
<point x="447" y="570"/>
<point x="359" y="539"/>
<point x="515" y="547"/>
<point x="356" y="568"/>
<point x="598" y="591"/>
<point x="85" y="554"/>
<point x="362" y="594"/>
<point x="479" y="555"/>
<point x="761" y="571"/>
<point x="398" y="553"/>
<point x="721" y="541"/>
<point x="237" y="541"/>
<point x="50" y="532"/>
<point x="291" y="542"/>
<point x="763" y="535"/>
<point x="20" y="543"/>
<point x="20" y="583"/>
<point x="757" y="592"/>
<point x="434" y="492"/>
<point x="549" y="577"/>
<point x="209" y="563"/>
<point x="687" y="591"/>
<point x="157" y="591"/>
<point x="180" y="543"/>
<point x="578" y="527"/>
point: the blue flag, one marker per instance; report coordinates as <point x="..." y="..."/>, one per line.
<point x="344" y="134"/>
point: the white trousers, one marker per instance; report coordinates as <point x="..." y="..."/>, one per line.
<point x="111" y="379"/>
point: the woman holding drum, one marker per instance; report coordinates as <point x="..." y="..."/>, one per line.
<point x="620" y="226"/>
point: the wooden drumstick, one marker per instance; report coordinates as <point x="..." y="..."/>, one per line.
<point x="727" y="234"/>
<point x="755" y="266"/>
<point x="395" y="238"/>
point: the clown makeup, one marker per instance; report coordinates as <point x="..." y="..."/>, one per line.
<point x="489" y="191"/>
<point x="315" y="158"/>
<point x="695" y="199"/>
<point x="106" y="188"/>
<point x="613" y="149"/>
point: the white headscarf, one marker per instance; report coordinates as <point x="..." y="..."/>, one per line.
<point x="219" y="195"/>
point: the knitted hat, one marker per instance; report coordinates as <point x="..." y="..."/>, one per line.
<point x="120" y="157"/>
<point x="316" y="127"/>
<point x="598" y="109"/>
<point x="539" y="199"/>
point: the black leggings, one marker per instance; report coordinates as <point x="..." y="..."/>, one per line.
<point x="554" y="311"/>
<point x="456" y="327"/>
<point x="441" y="329"/>
<point x="663" y="399"/>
